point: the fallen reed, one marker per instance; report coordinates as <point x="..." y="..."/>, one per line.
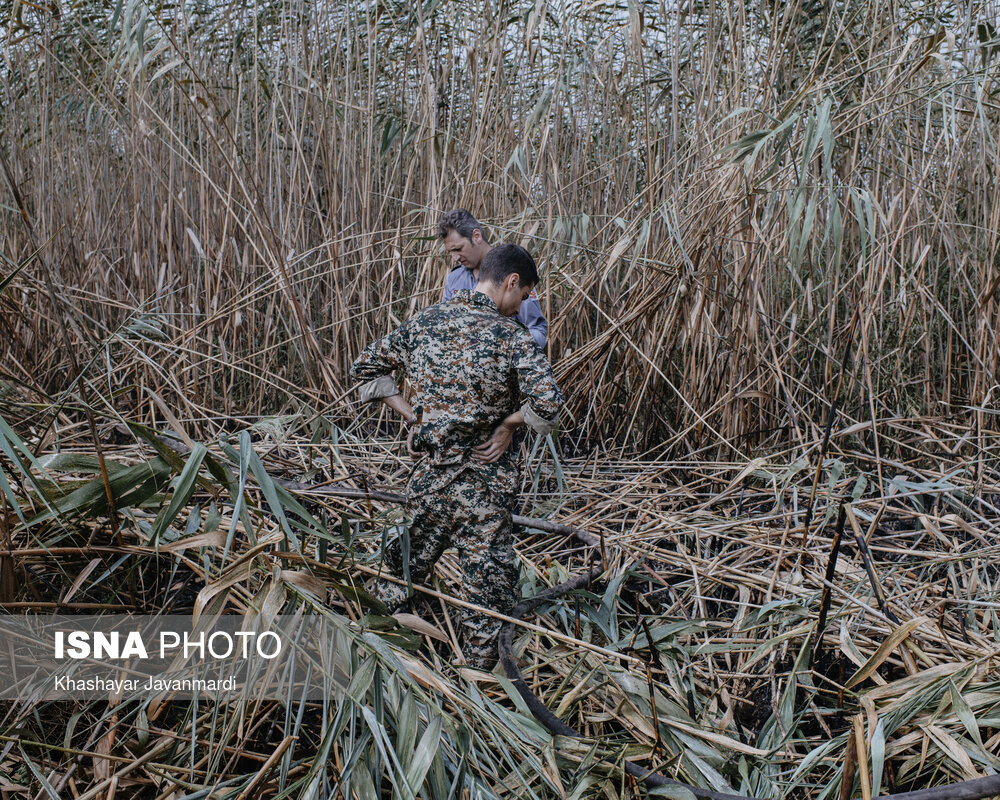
<point x="697" y="653"/>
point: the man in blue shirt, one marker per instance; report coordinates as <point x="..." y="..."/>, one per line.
<point x="463" y="237"/>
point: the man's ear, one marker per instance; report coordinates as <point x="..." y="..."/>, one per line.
<point x="477" y="237"/>
<point x="512" y="282"/>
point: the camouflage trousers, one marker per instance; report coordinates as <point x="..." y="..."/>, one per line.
<point x="457" y="507"/>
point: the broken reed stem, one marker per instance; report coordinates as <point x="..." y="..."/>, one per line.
<point x="850" y="766"/>
<point x="869" y="565"/>
<point x="861" y="746"/>
<point x="266" y="768"/>
<point x="831" y="572"/>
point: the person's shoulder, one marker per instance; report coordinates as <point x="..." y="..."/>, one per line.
<point x="427" y="317"/>
<point x="465" y="303"/>
<point x="512" y="332"/>
<point x="521" y="337"/>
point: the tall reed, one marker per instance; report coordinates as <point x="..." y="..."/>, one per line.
<point x="231" y="199"/>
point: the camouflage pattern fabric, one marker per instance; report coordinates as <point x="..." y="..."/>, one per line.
<point x="451" y="507"/>
<point x="469" y="368"/>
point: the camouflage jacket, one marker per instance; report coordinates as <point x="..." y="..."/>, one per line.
<point x="469" y="368"/>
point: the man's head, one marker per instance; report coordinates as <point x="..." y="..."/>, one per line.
<point x="464" y="238"/>
<point x="507" y="275"/>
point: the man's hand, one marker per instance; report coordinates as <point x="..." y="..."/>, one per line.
<point x="494" y="447"/>
<point x="398" y="404"/>
<point x="414" y="454"/>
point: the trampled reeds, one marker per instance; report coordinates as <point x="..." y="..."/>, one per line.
<point x="699" y="653"/>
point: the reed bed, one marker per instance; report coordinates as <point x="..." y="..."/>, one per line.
<point x="720" y="646"/>
<point x="740" y="212"/>
<point x="768" y="237"/>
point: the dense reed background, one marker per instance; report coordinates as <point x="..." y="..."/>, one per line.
<point x="742" y="210"/>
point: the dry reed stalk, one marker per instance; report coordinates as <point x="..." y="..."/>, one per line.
<point x="273" y="207"/>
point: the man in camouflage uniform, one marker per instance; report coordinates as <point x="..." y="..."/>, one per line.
<point x="476" y="377"/>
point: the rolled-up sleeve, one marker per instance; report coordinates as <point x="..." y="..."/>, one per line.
<point x="374" y="368"/>
<point x="381" y="387"/>
<point x="531" y="317"/>
<point x="542" y="398"/>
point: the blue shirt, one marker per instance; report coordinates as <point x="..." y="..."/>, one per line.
<point x="530" y="315"/>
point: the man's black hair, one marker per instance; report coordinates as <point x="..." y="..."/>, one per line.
<point x="460" y="221"/>
<point x="504" y="259"/>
